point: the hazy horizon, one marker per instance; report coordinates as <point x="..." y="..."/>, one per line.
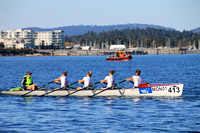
<point x="177" y="14"/>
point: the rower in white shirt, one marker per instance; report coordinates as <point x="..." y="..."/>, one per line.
<point x="110" y="80"/>
<point x="137" y="79"/>
<point x="87" y="81"/>
<point x="63" y="80"/>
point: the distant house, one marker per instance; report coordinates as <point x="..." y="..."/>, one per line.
<point x="117" y="47"/>
<point x="86" y="47"/>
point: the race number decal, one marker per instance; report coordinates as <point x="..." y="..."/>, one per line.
<point x="174" y="89"/>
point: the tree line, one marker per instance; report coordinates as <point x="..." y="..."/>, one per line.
<point x="149" y="37"/>
<point x="11" y="52"/>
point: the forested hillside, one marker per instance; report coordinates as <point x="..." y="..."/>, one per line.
<point x="197" y="30"/>
<point x="82" y="29"/>
<point x="149" y="37"/>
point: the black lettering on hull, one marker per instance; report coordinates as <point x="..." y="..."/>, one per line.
<point x="159" y="88"/>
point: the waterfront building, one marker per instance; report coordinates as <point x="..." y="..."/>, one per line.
<point x="49" y="39"/>
<point x="194" y="45"/>
<point x="199" y="45"/>
<point x="17" y="39"/>
<point x="117" y="47"/>
<point x="31" y="39"/>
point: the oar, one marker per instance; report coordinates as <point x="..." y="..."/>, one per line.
<point x="80" y="90"/>
<point x="68" y="85"/>
<point x="96" y="83"/>
<point x="131" y="82"/>
<point x="57" y="89"/>
<point x="39" y="87"/>
<point x="73" y="83"/>
<point x="119" y="83"/>
<point x="107" y="88"/>
<point x="27" y="92"/>
<point x="46" y="84"/>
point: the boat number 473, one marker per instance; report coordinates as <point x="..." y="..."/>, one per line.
<point x="174" y="89"/>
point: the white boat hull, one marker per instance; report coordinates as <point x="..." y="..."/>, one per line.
<point x="166" y="90"/>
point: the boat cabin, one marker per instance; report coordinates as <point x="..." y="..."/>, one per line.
<point x="120" y="53"/>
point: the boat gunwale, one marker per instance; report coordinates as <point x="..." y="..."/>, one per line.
<point x="94" y="91"/>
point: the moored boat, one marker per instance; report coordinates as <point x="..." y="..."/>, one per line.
<point x="119" y="56"/>
<point x="162" y="90"/>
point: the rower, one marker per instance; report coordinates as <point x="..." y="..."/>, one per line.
<point x="27" y="82"/>
<point x="63" y="80"/>
<point x="110" y="80"/>
<point x="137" y="79"/>
<point x="87" y="81"/>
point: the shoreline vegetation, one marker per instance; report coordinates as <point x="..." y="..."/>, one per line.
<point x="62" y="52"/>
<point x="22" y="52"/>
<point x="141" y="38"/>
<point x="137" y="41"/>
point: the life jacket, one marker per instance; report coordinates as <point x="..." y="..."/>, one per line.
<point x="29" y="81"/>
<point x="17" y="89"/>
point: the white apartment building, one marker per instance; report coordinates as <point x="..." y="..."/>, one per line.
<point x="49" y="39"/>
<point x="30" y="39"/>
<point x="17" y="39"/>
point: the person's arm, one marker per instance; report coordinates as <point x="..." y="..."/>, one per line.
<point x="23" y="82"/>
<point x="102" y="81"/>
<point x="129" y="79"/>
<point x="81" y="81"/>
<point x="57" y="80"/>
<point x="105" y="80"/>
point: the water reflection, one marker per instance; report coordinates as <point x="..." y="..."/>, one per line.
<point x="136" y="100"/>
<point x="29" y="99"/>
<point x="61" y="100"/>
<point x="102" y="114"/>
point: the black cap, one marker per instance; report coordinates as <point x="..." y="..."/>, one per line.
<point x="28" y="73"/>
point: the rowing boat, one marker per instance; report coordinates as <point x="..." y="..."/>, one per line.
<point x="162" y="90"/>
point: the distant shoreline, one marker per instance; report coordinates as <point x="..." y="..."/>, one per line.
<point x="141" y="51"/>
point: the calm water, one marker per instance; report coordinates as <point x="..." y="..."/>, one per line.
<point x="96" y="115"/>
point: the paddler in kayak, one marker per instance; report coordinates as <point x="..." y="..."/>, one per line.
<point x="27" y="82"/>
<point x="136" y="79"/>
<point x="63" y="80"/>
<point x="110" y="80"/>
<point x="87" y="81"/>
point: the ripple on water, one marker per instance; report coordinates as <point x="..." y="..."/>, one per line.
<point x="101" y="114"/>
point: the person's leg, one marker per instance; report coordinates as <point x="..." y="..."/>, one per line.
<point x="78" y="88"/>
<point x="103" y="88"/>
<point x="36" y="86"/>
<point x="56" y="89"/>
<point x="31" y="87"/>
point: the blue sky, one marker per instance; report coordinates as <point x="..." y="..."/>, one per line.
<point x="178" y="14"/>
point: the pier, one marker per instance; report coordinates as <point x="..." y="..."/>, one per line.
<point x="140" y="51"/>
